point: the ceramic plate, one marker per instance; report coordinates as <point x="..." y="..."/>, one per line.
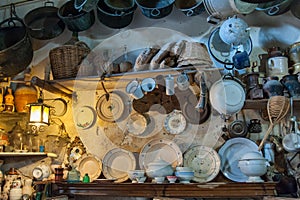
<point x="153" y="126"/>
<point x="116" y="163"/>
<point x="205" y="162"/>
<point x="164" y="149"/>
<point x="175" y="122"/>
<point x="85" y="117"/>
<point x="230" y="153"/>
<point x="112" y="109"/>
<point x="136" y="124"/>
<point x="91" y="165"/>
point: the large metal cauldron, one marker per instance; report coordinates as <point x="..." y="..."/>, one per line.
<point x="16" y="51"/>
<point x="155" y="9"/>
<point x="114" y="18"/>
<point x="43" y="23"/>
<point x="76" y="20"/>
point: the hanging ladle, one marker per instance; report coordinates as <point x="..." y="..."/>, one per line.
<point x="106" y="92"/>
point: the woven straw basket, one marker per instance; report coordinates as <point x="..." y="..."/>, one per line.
<point x="65" y="60"/>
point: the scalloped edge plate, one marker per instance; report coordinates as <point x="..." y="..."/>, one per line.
<point x="116" y="163"/>
<point x="85" y="117"/>
<point x="164" y="149"/>
<point x="200" y="158"/>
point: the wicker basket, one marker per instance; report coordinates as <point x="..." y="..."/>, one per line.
<point x="65" y="60"/>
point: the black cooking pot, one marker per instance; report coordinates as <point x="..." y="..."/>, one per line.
<point x="43" y="23"/>
<point x="14" y="40"/>
<point x="120" y="5"/>
<point x="114" y="18"/>
<point x="190" y="7"/>
<point x="76" y="20"/>
<point x="276" y="7"/>
<point x="155" y="9"/>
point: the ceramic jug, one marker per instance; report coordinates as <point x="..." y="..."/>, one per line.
<point x="9" y="101"/>
<point x="291" y="84"/>
<point x="253" y="87"/>
<point x="27" y="187"/>
<point x="273" y="87"/>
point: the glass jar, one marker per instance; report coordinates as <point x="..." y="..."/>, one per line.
<point x="16" y="138"/>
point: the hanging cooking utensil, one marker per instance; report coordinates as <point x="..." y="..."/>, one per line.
<point x="224" y="52"/>
<point x="277" y="108"/>
<point x="238" y="128"/>
<point x="43" y="23"/>
<point x="106" y="92"/>
<point x="14" y="39"/>
<point x="291" y="141"/>
<point x="227" y="96"/>
<point x="76" y="20"/>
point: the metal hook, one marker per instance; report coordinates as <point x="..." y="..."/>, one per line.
<point x="13" y="10"/>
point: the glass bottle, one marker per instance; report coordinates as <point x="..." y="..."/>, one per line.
<point x="73" y="176"/>
<point x="16" y="137"/>
<point x="86" y="178"/>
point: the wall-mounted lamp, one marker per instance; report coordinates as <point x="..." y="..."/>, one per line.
<point x="39" y="113"/>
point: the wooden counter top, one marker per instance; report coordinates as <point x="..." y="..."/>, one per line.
<point x="150" y="190"/>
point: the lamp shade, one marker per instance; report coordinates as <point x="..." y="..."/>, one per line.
<point x="39" y="113"/>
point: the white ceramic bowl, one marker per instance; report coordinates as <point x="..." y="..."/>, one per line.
<point x="253" y="165"/>
<point x="184" y="177"/>
<point x="141" y="179"/>
<point x="172" y="179"/>
<point x="136" y="174"/>
<point x="184" y="169"/>
<point x="159" y="179"/>
<point x="159" y="168"/>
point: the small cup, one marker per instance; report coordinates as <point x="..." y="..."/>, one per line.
<point x="148" y="84"/>
<point x="172" y="179"/>
<point x="170" y="85"/>
<point x="183" y="82"/>
<point x="159" y="179"/>
<point x="135" y="89"/>
<point x="241" y="60"/>
<point x="277" y="66"/>
<point x="141" y="179"/>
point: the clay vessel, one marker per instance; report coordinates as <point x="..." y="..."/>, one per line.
<point x="25" y="94"/>
<point x="291" y="84"/>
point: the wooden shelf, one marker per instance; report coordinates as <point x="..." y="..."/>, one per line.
<point x="65" y="87"/>
<point x="16" y="154"/>
<point x="262" y="104"/>
<point x="150" y="190"/>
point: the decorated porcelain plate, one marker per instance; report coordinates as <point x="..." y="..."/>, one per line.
<point x="85" y="117"/>
<point x="110" y="109"/>
<point x="136" y="124"/>
<point x="89" y="164"/>
<point x="230" y="153"/>
<point x="205" y="162"/>
<point x="163" y="149"/>
<point x="116" y="163"/>
<point x="175" y="122"/>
